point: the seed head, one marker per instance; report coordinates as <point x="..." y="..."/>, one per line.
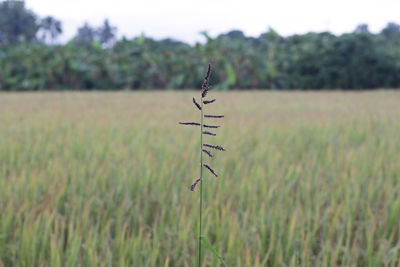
<point x="208" y="101"/>
<point x="207" y="152"/>
<point x="213" y="116"/>
<point x="196" y="104"/>
<point x="209" y="133"/>
<point x="210" y="126"/>
<point x="205" y="85"/>
<point x="190" y="123"/>
<point x="210" y="169"/>
<point x="194" y="184"/>
<point x="214" y="147"/>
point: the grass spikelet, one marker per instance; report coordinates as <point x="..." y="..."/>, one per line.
<point x="190" y="123"/>
<point x="209" y="101"/>
<point x="195" y="183"/>
<point x="210" y="169"/>
<point x="214" y="147"/>
<point x="205" y="87"/>
<point x="207" y="152"/>
<point x="209" y="133"/>
<point x="214" y="116"/>
<point x="196" y="104"/>
<point x="210" y="126"/>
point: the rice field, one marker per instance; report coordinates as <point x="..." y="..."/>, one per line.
<point x="102" y="179"/>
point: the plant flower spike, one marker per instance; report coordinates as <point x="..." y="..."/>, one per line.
<point x="205" y="129"/>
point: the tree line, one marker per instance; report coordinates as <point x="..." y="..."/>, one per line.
<point x="30" y="59"/>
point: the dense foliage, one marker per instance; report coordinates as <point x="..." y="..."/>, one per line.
<point x="94" y="59"/>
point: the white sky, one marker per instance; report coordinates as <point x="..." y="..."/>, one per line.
<point x="184" y="19"/>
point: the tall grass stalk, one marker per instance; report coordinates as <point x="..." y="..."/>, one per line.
<point x="205" y="88"/>
<point x="201" y="183"/>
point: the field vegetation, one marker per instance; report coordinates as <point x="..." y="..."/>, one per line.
<point x="102" y="179"/>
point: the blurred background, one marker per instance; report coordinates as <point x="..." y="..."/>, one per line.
<point x="53" y="45"/>
<point x="96" y="171"/>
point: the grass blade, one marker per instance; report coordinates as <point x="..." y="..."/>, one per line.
<point x="208" y="245"/>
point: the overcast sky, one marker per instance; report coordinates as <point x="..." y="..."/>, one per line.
<point x="184" y="19"/>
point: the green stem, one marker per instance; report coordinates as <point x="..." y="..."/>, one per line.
<point x="201" y="177"/>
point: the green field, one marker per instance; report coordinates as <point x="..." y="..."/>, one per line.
<point x="102" y="179"/>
